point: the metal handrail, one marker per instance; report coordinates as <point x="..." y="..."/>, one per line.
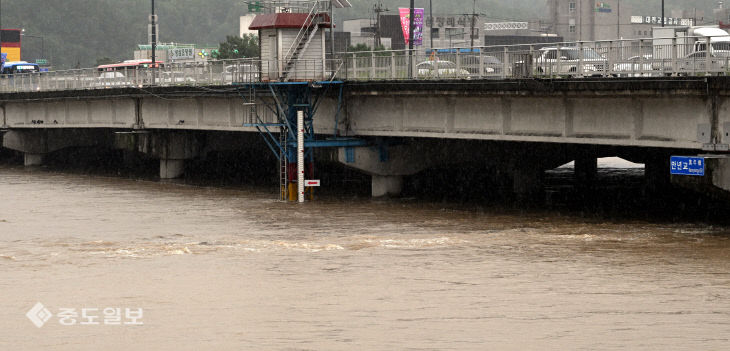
<point x="220" y="72"/>
<point x="309" y="22"/>
<point x="608" y="58"/>
<point x="619" y="58"/>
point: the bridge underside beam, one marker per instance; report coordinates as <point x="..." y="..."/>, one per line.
<point x="35" y="144"/>
<point x="171" y="147"/>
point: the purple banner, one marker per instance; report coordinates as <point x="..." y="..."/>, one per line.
<point x="405" y="19"/>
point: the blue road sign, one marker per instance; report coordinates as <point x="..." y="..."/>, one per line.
<point x="691" y="166"/>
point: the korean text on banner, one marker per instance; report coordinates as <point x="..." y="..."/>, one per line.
<point x="405" y="18"/>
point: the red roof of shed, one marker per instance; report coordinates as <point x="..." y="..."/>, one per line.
<point x="285" y="20"/>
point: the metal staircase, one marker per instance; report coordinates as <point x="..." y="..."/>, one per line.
<point x="307" y="33"/>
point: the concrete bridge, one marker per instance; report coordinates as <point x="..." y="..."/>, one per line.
<point x="516" y="127"/>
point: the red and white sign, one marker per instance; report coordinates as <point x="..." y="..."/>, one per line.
<point x="312" y="182"/>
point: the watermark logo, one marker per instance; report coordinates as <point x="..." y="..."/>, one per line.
<point x="39" y="315"/>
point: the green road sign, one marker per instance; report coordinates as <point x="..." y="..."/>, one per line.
<point x="254" y="6"/>
<point x="41" y="61"/>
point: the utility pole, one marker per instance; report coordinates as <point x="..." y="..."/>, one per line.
<point x="378" y="9"/>
<point x="153" y="34"/>
<point x="332" y="30"/>
<point x="618" y="27"/>
<point x="662" y="13"/>
<point x="1" y="36"/>
<point x="430" y="10"/>
<point x="473" y="19"/>
<point x="410" y="39"/>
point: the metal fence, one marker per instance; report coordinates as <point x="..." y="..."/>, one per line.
<point x="620" y="58"/>
<point x="223" y="72"/>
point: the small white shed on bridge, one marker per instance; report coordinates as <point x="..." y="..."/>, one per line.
<point x="293" y="45"/>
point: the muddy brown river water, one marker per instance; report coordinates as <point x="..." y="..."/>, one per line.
<point x="233" y="269"/>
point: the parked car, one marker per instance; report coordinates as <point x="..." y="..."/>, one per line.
<point x="697" y="62"/>
<point x="634" y="67"/>
<point x="441" y="69"/>
<point x="565" y="61"/>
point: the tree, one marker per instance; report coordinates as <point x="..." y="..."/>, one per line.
<point x="238" y="47"/>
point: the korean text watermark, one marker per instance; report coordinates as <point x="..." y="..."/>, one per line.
<point x="69" y="316"/>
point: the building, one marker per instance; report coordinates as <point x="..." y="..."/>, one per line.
<point x="447" y="31"/>
<point x="362" y="31"/>
<point x="590" y="20"/>
<point x="11" y="44"/>
<point x="452" y="31"/>
<point x="245" y="22"/>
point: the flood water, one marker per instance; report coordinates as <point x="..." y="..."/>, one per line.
<point x="233" y="269"/>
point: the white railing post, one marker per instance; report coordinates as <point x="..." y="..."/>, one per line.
<point x="529" y="61"/>
<point x="675" y="69"/>
<point x="392" y="65"/>
<point x="353" y="66"/>
<point x="372" y="65"/>
<point x="581" y="59"/>
<point x="505" y="63"/>
<point x="708" y="56"/>
<point x="641" y="57"/>
<point x="482" y="73"/>
<point x="610" y="58"/>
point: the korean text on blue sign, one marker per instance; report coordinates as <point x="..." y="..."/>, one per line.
<point x="692" y="166"/>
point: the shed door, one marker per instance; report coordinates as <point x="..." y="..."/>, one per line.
<point x="274" y="64"/>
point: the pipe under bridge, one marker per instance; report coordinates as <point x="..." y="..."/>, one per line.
<point x="519" y="127"/>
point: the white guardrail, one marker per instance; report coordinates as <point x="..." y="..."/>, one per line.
<point x="621" y="58"/>
<point x="222" y="72"/>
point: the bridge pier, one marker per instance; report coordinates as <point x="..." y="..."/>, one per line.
<point x="656" y="172"/>
<point x="173" y="148"/>
<point x="586" y="169"/>
<point x="171" y="169"/>
<point x="387" y="164"/>
<point x="30" y="159"/>
<point x="386" y="185"/>
<point x="527" y="181"/>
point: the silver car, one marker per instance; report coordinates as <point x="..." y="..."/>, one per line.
<point x="566" y="60"/>
<point x="441" y="69"/>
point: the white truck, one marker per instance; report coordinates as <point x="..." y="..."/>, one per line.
<point x="688" y="40"/>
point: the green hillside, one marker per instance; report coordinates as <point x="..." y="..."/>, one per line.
<point x="78" y="32"/>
